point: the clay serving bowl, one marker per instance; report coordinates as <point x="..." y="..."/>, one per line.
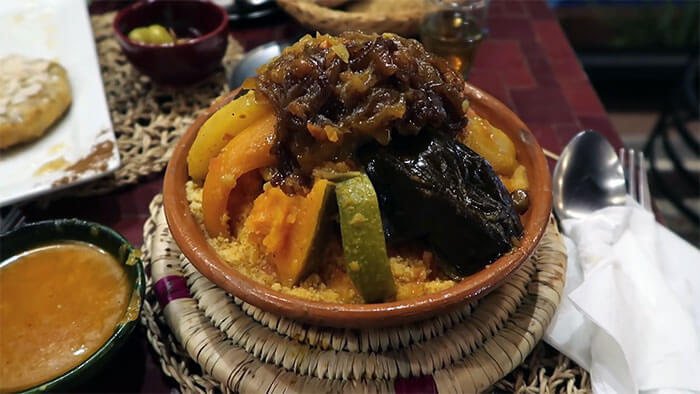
<point x="191" y="239"/>
<point x="180" y="63"/>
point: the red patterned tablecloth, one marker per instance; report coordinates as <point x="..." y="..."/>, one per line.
<point x="526" y="62"/>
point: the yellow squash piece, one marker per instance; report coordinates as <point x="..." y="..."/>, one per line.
<point x="220" y="128"/>
<point x="247" y="151"/>
<point x="292" y="229"/>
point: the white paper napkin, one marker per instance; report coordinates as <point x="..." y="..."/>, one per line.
<point x="630" y="313"/>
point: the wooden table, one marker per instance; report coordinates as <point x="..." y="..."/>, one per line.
<point x="526" y="62"/>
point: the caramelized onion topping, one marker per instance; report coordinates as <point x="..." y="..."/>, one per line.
<point x="332" y="94"/>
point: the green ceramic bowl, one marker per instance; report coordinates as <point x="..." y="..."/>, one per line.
<point x="55" y="231"/>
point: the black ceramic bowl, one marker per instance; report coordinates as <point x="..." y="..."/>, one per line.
<point x="180" y="63"/>
<point x="51" y="232"/>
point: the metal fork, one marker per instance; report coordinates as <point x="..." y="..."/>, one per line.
<point x="636" y="175"/>
<point x="14" y="219"/>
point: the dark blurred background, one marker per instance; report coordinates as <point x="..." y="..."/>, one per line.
<point x="642" y="58"/>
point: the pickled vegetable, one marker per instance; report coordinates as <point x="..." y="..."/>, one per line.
<point x="364" y="247"/>
<point x="160" y="35"/>
<point x="153" y="34"/>
<point x="140" y="34"/>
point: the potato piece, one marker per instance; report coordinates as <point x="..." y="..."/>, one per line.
<point x="220" y="128"/>
<point x="516" y="181"/>
<point x="492" y="144"/>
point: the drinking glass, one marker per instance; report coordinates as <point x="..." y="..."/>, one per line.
<point x="453" y="29"/>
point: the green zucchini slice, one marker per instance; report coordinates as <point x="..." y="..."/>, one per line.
<point x="364" y="246"/>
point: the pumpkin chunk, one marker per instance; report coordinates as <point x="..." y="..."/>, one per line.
<point x="292" y="230"/>
<point x="247" y="151"/>
<point x="248" y="187"/>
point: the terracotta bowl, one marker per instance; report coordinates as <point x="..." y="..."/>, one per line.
<point x="191" y="239"/>
<point x="181" y="63"/>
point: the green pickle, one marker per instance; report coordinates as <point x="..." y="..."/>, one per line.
<point x="364" y="246"/>
<point x="160" y="35"/>
<point x="154" y="34"/>
<point x="139" y="34"/>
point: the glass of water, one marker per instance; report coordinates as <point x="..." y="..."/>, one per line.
<point x="453" y="29"/>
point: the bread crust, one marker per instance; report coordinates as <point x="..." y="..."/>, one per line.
<point x="34" y="94"/>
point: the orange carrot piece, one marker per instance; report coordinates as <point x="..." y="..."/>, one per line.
<point x="247" y="151"/>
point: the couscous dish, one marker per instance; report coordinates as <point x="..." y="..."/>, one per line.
<point x="352" y="170"/>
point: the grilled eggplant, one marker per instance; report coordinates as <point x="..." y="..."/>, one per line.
<point x="434" y="188"/>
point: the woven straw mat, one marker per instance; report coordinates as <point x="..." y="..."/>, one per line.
<point x="209" y="341"/>
<point x="148" y="119"/>
<point x="397" y="16"/>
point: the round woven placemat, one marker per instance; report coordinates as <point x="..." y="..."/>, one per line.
<point x="148" y="119"/>
<point x="210" y="341"/>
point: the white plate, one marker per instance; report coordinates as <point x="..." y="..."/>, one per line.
<point x="58" y="30"/>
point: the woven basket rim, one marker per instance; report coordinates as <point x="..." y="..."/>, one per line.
<point x="241" y="348"/>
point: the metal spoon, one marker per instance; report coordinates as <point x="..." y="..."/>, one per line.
<point x="587" y="177"/>
<point x="253" y="60"/>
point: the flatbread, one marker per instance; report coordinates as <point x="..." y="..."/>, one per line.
<point x="34" y="93"/>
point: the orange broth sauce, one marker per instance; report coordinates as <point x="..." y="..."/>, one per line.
<point x="58" y="305"/>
